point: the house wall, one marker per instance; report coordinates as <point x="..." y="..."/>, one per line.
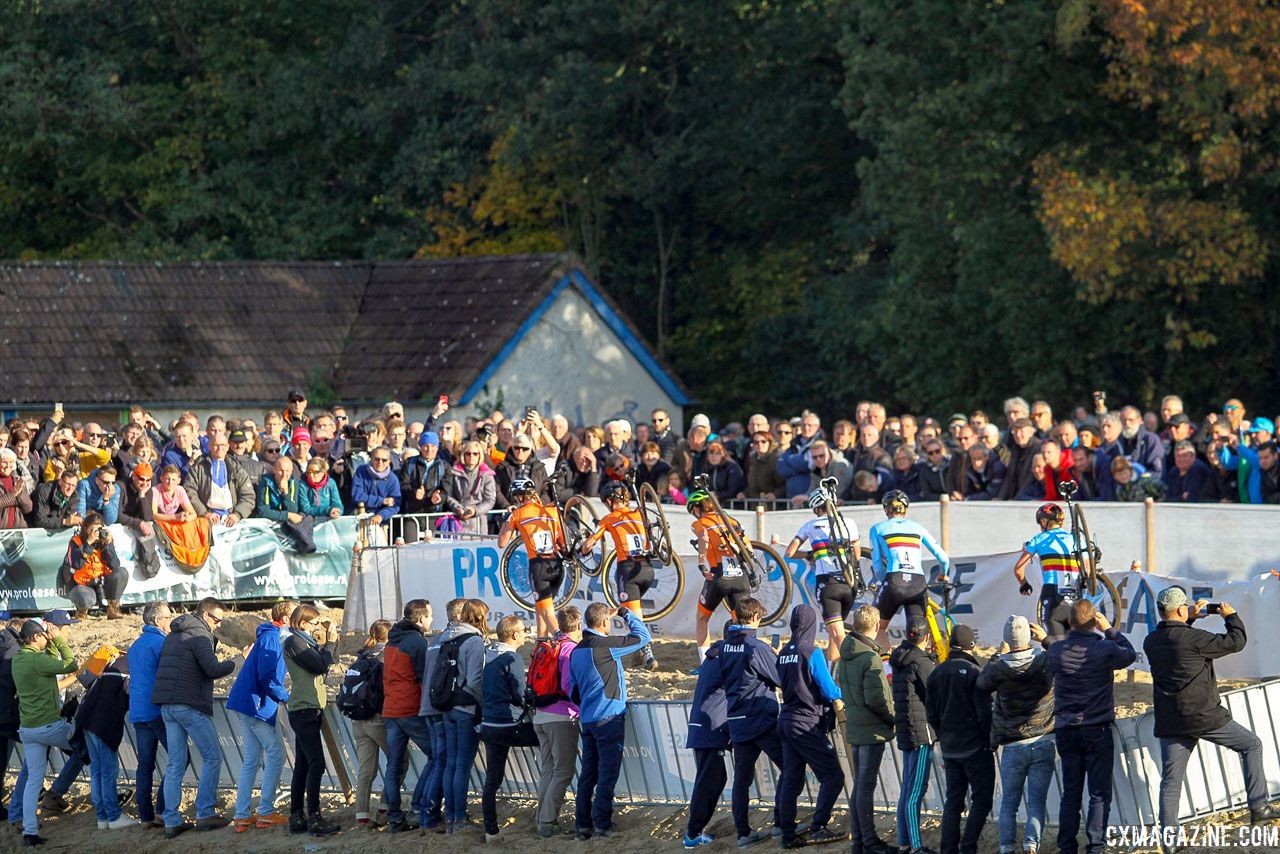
<point x="572" y="363"/>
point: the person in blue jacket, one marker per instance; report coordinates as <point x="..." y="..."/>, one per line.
<point x="100" y="493"/>
<point x="376" y="487"/>
<point x="598" y="684"/>
<point x="255" y="699"/>
<point x="749" y="676"/>
<point x="1242" y="460"/>
<point x="810" y="699"/>
<point x="148" y="726"/>
<point x="708" y="739"/>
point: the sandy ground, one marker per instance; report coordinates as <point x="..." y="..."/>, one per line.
<point x="641" y="830"/>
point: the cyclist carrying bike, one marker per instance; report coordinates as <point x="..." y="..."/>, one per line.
<point x="1059" y="566"/>
<point x="833" y="593"/>
<point x="725" y="578"/>
<point x="542" y="530"/>
<point x="896" y="546"/>
<point x="625" y="527"/>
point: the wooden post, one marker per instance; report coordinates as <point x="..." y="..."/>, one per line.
<point x="944" y="520"/>
<point x="760" y="523"/>
<point x="1150" y="526"/>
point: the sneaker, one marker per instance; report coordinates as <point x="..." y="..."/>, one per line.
<point x="177" y="830"/>
<point x="651" y="663"/>
<point x="30" y="840"/>
<point x="491" y="837"/>
<point x="270" y="820"/>
<point x="212" y="822"/>
<point x="582" y="834"/>
<point x="318" y="826"/>
<point x="549" y="830"/>
<point x="398" y="827"/>
<point x="241" y="825"/>
<point x="824" y="836"/>
<point x="102" y="825"/>
<point x="694" y="672"/>
<point x="698" y="841"/>
<point x="53" y="802"/>
<point x="122" y="822"/>
<point x="603" y="834"/>
<point x="297" y="823"/>
<point x="752" y="838"/>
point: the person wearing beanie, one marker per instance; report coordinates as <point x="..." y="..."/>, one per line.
<point x="962" y="719"/>
<point x="912" y="663"/>
<point x="1022" y="726"/>
<point x="424" y="480"/>
<point x="300" y="447"/>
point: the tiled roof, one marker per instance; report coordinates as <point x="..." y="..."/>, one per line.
<point x="102" y="332"/>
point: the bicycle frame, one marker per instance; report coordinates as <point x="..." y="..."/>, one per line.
<point x="736" y="542"/>
<point x="1084" y="550"/>
<point x="840" y="533"/>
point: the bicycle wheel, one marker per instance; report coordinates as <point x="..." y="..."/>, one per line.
<point x="513" y="572"/>
<point x="773" y="581"/>
<point x="663" y="594"/>
<point x="655" y="524"/>
<point x="1107" y="600"/>
<point x="580" y="522"/>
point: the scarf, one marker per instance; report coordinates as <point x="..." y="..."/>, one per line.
<point x="10" y="485"/>
<point x="377" y="475"/>
<point x="320" y="484"/>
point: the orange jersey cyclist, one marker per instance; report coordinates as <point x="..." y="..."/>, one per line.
<point x="541" y="529"/>
<point x="725" y="577"/>
<point x="634" y="567"/>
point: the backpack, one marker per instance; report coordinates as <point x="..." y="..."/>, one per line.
<point x="445" y="690"/>
<point x="543" y="677"/>
<point x="360" y="697"/>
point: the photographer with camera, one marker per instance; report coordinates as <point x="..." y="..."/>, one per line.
<point x="355" y="454"/>
<point x="1187" y="706"/>
<point x="94" y="569"/>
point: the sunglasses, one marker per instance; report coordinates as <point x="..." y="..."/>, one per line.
<point x="270" y="450"/>
<point x="471" y="453"/>
<point x="521" y="448"/>
<point x="217" y="621"/>
<point x="382" y="459"/>
<point x="63" y="443"/>
<point x="296" y="399"/>
<point x="140" y="479"/>
<point x="934" y="452"/>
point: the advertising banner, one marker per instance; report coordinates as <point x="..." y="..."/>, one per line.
<point x="252" y="560"/>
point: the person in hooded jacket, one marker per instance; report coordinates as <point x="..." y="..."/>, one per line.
<point x="100" y="722"/>
<point x="912" y="664"/>
<point x="749" y="676"/>
<point x="308" y="655"/>
<point x="183" y="690"/>
<point x="810" y="699"/>
<point x="962" y="719"/>
<point x="460" y="739"/>
<point x="708" y="738"/>
<point x="869" y="721"/>
<point x="1022" y="727"/>
<point x="255" y="699"/>
<point x="404" y="663"/>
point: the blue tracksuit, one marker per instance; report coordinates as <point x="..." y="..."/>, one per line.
<point x="708" y="738"/>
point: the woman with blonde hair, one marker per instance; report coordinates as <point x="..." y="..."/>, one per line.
<point x="369" y="734"/>
<point x="308" y="654"/>
<point x="473" y="487"/>
<point x="466" y="640"/>
<point x="450" y="440"/>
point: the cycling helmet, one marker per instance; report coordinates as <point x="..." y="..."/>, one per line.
<point x="895" y="501"/>
<point x="523" y="486"/>
<point x="1050" y="514"/>
<point x="698" y="496"/>
<point x="614" y="490"/>
<point x="818" y="497"/>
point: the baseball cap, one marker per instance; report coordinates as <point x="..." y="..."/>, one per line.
<point x="59" y="617"/>
<point x="429" y="438"/>
<point x="296" y="394"/>
<point x="239" y="436"/>
<point x="1017" y="632"/>
<point x="1171" y="597"/>
<point x="1020" y="423"/>
<point x="1262" y="425"/>
<point x="917" y="627"/>
<point x="963" y="637"/>
<point x="143" y="469"/>
<point x="700" y="420"/>
<point x="1179" y="419"/>
<point x="393" y="408"/>
<point x="31" y="628"/>
<point x="958" y="416"/>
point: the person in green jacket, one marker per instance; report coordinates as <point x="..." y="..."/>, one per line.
<point x="868" y="708"/>
<point x="308" y="655"/>
<point x="44" y="657"/>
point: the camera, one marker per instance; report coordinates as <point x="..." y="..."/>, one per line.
<point x="359" y="440"/>
<point x="484" y="431"/>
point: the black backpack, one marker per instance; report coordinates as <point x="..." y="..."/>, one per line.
<point x="445" y="690"/>
<point x="360" y="697"/>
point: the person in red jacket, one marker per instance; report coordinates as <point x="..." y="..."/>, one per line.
<point x="403" y="663"/>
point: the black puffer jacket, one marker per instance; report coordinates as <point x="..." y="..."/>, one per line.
<point x="958" y="714"/>
<point x="1023" y="686"/>
<point x="911" y="668"/>
<point x="188" y="666"/>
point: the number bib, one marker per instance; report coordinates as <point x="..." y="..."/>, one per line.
<point x="543" y="542"/>
<point x="730" y="568"/>
<point x="635" y="544"/>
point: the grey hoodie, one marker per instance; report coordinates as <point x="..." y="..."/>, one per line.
<point x="472" y="666"/>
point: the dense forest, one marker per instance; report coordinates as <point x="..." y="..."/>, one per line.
<point x="934" y="203"/>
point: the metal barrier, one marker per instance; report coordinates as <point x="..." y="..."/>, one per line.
<point x="657" y="769"/>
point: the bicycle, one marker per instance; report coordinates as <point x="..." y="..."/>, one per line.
<point x="580" y="522"/>
<point x="766" y="572"/>
<point x="1092" y="583"/>
<point x="851" y="570"/>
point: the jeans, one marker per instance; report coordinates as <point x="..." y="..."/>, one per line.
<point x="258" y="738"/>
<point x="866" y="768"/>
<point x="401" y="731"/>
<point x="1084" y="751"/>
<point x="1174" y="753"/>
<point x="150" y="735"/>
<point x="975" y="774"/>
<point x="497" y="746"/>
<point x="557" y="755"/>
<point x="810" y="748"/>
<point x="433" y="794"/>
<point x="460" y="744"/>
<point x="15" y="800"/>
<point x="71" y="768"/>
<point x="308" y="762"/>
<point x="1029" y="766"/>
<point x="601" y="764"/>
<point x="745" y="754"/>
<point x="36" y="742"/>
<point x="915" y="783"/>
<point x="181" y="722"/>
<point x="104" y="771"/>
